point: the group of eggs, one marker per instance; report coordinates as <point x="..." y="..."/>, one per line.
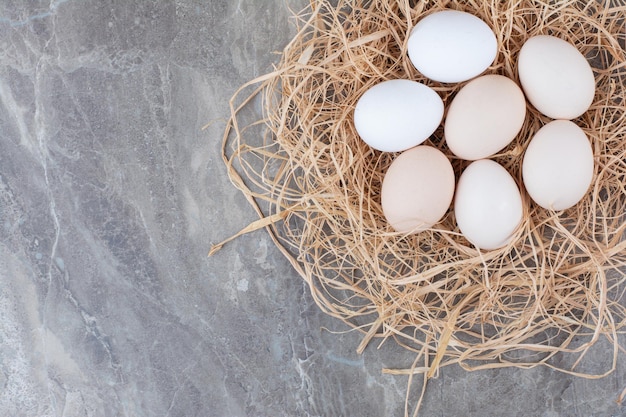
<point x="483" y="118"/>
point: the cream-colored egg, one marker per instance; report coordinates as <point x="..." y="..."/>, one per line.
<point x="396" y="115"/>
<point x="451" y="46"/>
<point x="558" y="165"/>
<point x="556" y="77"/>
<point x="484" y="117"/>
<point x="488" y="204"/>
<point x="417" y="189"/>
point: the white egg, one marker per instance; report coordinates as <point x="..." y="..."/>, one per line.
<point x="451" y="46"/>
<point x="484" y="117"/>
<point x="556" y="77"/>
<point x="396" y="115"/>
<point x="417" y="189"/>
<point x="488" y="204"/>
<point x="558" y="165"/>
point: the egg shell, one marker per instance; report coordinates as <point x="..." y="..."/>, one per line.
<point x="558" y="165"/>
<point x="556" y="77"/>
<point x="417" y="189"/>
<point x="484" y="117"/>
<point x="396" y="115"/>
<point x="451" y="46"/>
<point x="488" y="204"/>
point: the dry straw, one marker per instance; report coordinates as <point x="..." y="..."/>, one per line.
<point x="556" y="289"/>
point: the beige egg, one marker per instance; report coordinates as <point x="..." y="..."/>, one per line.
<point x="558" y="165"/>
<point x="556" y="77"/>
<point x="484" y="117"/>
<point x="417" y="189"/>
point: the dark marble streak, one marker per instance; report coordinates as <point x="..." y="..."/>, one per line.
<point x="111" y="194"/>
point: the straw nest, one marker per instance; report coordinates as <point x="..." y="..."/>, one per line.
<point x="557" y="288"/>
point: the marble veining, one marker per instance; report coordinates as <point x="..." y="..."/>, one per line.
<point x="111" y="193"/>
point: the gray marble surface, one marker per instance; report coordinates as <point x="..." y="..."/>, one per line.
<point x="110" y="197"/>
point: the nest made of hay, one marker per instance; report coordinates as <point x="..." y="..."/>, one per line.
<point x="557" y="288"/>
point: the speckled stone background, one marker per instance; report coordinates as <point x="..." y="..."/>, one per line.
<point x="110" y="197"/>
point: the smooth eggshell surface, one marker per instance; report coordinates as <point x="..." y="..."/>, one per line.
<point x="558" y="165"/>
<point x="451" y="46"/>
<point x="396" y="115"/>
<point x="484" y="117"/>
<point x="556" y="77"/>
<point x="488" y="204"/>
<point x="417" y="189"/>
